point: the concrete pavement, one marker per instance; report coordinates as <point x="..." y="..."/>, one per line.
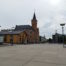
<point x="33" y="55"/>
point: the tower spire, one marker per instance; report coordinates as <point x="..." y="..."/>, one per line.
<point x="34" y="16"/>
<point x="34" y="22"/>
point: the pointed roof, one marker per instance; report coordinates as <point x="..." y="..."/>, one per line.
<point x="22" y="27"/>
<point x="34" y="16"/>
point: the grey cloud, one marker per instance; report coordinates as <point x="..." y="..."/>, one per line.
<point x="49" y="17"/>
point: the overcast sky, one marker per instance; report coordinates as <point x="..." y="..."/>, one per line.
<point x="49" y="13"/>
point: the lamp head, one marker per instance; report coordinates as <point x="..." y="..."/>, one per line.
<point x="62" y="24"/>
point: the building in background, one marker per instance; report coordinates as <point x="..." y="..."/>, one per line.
<point x="22" y="33"/>
<point x="43" y="39"/>
<point x="58" y="38"/>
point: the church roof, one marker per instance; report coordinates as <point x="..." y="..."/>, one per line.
<point x="10" y="32"/>
<point x="18" y="29"/>
<point x="23" y="27"/>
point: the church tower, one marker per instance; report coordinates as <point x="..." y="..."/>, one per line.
<point x="36" y="29"/>
<point x="34" y="22"/>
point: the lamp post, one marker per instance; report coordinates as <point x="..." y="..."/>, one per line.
<point x="62" y="25"/>
<point x="0" y="26"/>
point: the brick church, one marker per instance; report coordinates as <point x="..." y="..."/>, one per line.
<point x="22" y="33"/>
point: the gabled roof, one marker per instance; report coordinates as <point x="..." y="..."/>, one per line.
<point x="23" y="27"/>
<point x="18" y="29"/>
<point x="10" y="32"/>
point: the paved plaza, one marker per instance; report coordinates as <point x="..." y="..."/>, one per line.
<point x="33" y="55"/>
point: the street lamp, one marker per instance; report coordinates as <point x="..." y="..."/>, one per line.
<point x="0" y="26"/>
<point x="62" y="28"/>
<point x="62" y="25"/>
